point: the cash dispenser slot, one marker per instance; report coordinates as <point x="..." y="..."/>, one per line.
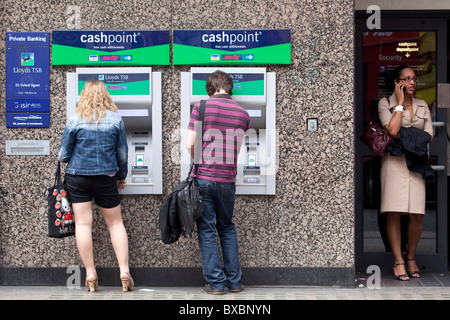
<point x="252" y="174"/>
<point x="139" y="174"/>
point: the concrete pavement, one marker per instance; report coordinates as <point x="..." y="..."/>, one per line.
<point x="429" y="287"/>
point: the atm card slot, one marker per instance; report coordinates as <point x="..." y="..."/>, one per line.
<point x="139" y="133"/>
<point x="252" y="169"/>
<point x="139" y="144"/>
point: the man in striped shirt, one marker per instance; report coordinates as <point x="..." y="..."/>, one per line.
<point x="225" y="124"/>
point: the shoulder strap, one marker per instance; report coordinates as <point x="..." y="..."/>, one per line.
<point x="389" y="102"/>
<point x="375" y="113"/>
<point x="58" y="173"/>
<point x="199" y="136"/>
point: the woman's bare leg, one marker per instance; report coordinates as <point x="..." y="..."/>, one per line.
<point x="83" y="235"/>
<point x="393" y="228"/>
<point x="118" y="234"/>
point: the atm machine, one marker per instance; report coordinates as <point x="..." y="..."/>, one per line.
<point x="137" y="94"/>
<point x="254" y="89"/>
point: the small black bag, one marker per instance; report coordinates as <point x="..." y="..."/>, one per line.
<point x="189" y="200"/>
<point x="189" y="205"/>
<point x="61" y="222"/>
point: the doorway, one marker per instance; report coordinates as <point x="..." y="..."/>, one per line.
<point x="405" y="38"/>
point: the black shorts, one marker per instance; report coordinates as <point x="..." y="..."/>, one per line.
<point x="102" y="187"/>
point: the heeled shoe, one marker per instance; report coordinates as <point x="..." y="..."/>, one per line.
<point x="92" y="284"/>
<point x="413" y="273"/>
<point x="400" y="277"/>
<point x="127" y="282"/>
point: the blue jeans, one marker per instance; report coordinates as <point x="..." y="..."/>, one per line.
<point x="218" y="201"/>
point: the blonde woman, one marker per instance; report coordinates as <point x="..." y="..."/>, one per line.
<point x="95" y="147"/>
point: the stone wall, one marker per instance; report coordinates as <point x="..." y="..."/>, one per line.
<point x="309" y="224"/>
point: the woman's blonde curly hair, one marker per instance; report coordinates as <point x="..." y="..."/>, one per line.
<point x="94" y="101"/>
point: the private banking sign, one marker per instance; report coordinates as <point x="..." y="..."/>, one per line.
<point x="236" y="47"/>
<point x="111" y="47"/>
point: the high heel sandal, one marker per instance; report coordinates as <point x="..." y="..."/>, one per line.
<point x="127" y="282"/>
<point x="92" y="284"/>
<point x="400" y="277"/>
<point x="412" y="273"/>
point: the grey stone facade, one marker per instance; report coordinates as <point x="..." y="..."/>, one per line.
<point x="308" y="224"/>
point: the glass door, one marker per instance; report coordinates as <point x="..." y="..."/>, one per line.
<point x="420" y="44"/>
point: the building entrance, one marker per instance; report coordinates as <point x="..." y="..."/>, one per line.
<point x="422" y="44"/>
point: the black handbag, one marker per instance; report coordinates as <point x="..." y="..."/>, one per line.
<point x="189" y="200"/>
<point x="61" y="221"/>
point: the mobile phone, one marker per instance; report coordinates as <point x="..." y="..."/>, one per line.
<point x="404" y="87"/>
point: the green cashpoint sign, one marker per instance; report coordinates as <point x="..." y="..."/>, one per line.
<point x="111" y="47"/>
<point x="231" y="47"/>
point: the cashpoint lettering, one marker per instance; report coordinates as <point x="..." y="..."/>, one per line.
<point x="109" y="38"/>
<point x="231" y="37"/>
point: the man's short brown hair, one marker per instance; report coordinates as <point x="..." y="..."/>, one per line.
<point x="219" y="80"/>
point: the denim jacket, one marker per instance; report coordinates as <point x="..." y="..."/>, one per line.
<point x="95" y="149"/>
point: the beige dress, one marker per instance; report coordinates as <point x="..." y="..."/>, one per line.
<point x="402" y="190"/>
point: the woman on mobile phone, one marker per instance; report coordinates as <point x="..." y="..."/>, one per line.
<point x="402" y="190"/>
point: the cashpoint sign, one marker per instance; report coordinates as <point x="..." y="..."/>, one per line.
<point x="231" y="47"/>
<point x="111" y="47"/>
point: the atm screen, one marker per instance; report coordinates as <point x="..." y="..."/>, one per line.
<point x="133" y="112"/>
